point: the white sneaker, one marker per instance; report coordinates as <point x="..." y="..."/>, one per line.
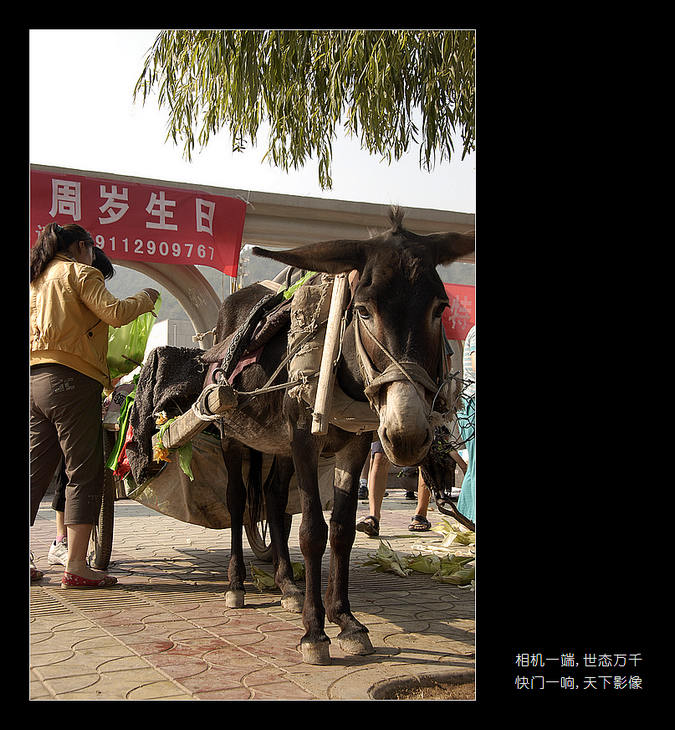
<point x="58" y="553"/>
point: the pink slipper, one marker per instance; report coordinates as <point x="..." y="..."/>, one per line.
<point x="70" y="580"/>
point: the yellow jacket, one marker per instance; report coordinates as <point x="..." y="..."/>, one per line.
<point x="70" y="310"/>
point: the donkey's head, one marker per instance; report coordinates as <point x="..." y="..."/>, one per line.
<point x="398" y="304"/>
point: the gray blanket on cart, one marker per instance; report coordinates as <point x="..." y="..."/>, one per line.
<point x="170" y="380"/>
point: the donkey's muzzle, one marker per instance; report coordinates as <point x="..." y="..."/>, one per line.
<point x="405" y="431"/>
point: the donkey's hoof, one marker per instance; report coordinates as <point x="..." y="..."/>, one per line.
<point x="317" y="653"/>
<point x="293" y="602"/>
<point x="357" y="643"/>
<point x="234" y="599"/>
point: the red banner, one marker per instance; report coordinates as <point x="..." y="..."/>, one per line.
<point x="142" y="221"/>
<point x="460" y="316"/>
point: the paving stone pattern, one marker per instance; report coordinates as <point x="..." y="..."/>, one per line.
<point x="164" y="633"/>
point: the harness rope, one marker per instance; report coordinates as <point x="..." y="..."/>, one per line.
<point x="374" y="380"/>
<point x="396" y="371"/>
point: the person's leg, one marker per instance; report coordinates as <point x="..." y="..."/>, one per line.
<point x="423" y="495"/>
<point x="78" y="543"/>
<point x="419" y="522"/>
<point x="77" y="573"/>
<point x="377" y="483"/>
<point x="363" y="479"/>
<point x="60" y="525"/>
<point x="410" y="493"/>
<point x="59" y="501"/>
<point x="45" y="451"/>
<point x="58" y="550"/>
<point x="77" y="416"/>
<point x="44" y="448"/>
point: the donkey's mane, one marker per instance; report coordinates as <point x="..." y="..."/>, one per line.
<point x="396" y="214"/>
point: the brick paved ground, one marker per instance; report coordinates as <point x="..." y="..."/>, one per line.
<point x="164" y="633"/>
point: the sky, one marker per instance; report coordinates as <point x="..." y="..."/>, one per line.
<point x="82" y="116"/>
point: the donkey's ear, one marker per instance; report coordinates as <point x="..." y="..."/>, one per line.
<point x="330" y="257"/>
<point x="449" y="247"/>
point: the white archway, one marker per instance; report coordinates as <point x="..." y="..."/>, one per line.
<point x="191" y="289"/>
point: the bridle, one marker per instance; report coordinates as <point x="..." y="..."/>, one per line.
<point x="417" y="376"/>
<point x="396" y="371"/>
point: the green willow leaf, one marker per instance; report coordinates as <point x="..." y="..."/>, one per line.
<point x="304" y="84"/>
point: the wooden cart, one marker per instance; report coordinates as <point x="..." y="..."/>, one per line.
<point x="199" y="501"/>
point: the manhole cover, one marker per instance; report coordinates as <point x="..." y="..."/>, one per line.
<point x="448" y="686"/>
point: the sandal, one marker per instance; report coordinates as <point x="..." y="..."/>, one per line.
<point x="370" y="525"/>
<point x="70" y="580"/>
<point x="419" y="524"/>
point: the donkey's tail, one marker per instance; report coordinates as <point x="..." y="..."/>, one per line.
<point x="254" y="487"/>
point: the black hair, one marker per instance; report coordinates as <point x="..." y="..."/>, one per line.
<point x="103" y="263"/>
<point x="52" y="239"/>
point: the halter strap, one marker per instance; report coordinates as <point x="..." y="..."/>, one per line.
<point x="396" y="371"/>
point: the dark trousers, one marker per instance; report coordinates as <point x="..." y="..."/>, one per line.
<point x="65" y="421"/>
<point x="60" y="483"/>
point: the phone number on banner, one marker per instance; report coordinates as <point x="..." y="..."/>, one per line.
<point x="151" y="248"/>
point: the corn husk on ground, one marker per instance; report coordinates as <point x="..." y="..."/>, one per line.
<point x="458" y="570"/>
<point x="263" y="581"/>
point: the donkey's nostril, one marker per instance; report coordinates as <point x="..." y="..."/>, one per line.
<point x="405" y="447"/>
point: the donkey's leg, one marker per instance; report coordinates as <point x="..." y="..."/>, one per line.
<point x="353" y="638"/>
<point x="276" y="499"/>
<point x="236" y="502"/>
<point x="313" y="536"/>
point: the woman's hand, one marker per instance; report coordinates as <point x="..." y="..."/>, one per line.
<point x="152" y="293"/>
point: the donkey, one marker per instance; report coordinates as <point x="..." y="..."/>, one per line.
<point x="391" y="357"/>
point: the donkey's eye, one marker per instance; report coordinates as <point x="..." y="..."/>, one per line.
<point x="361" y="310"/>
<point x="438" y="310"/>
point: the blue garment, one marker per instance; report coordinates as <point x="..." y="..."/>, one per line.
<point x="469" y="373"/>
<point x="466" y="503"/>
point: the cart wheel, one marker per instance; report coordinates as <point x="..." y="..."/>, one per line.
<point x="100" y="543"/>
<point x="258" y="537"/>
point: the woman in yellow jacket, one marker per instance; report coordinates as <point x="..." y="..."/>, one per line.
<point x="70" y="311"/>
